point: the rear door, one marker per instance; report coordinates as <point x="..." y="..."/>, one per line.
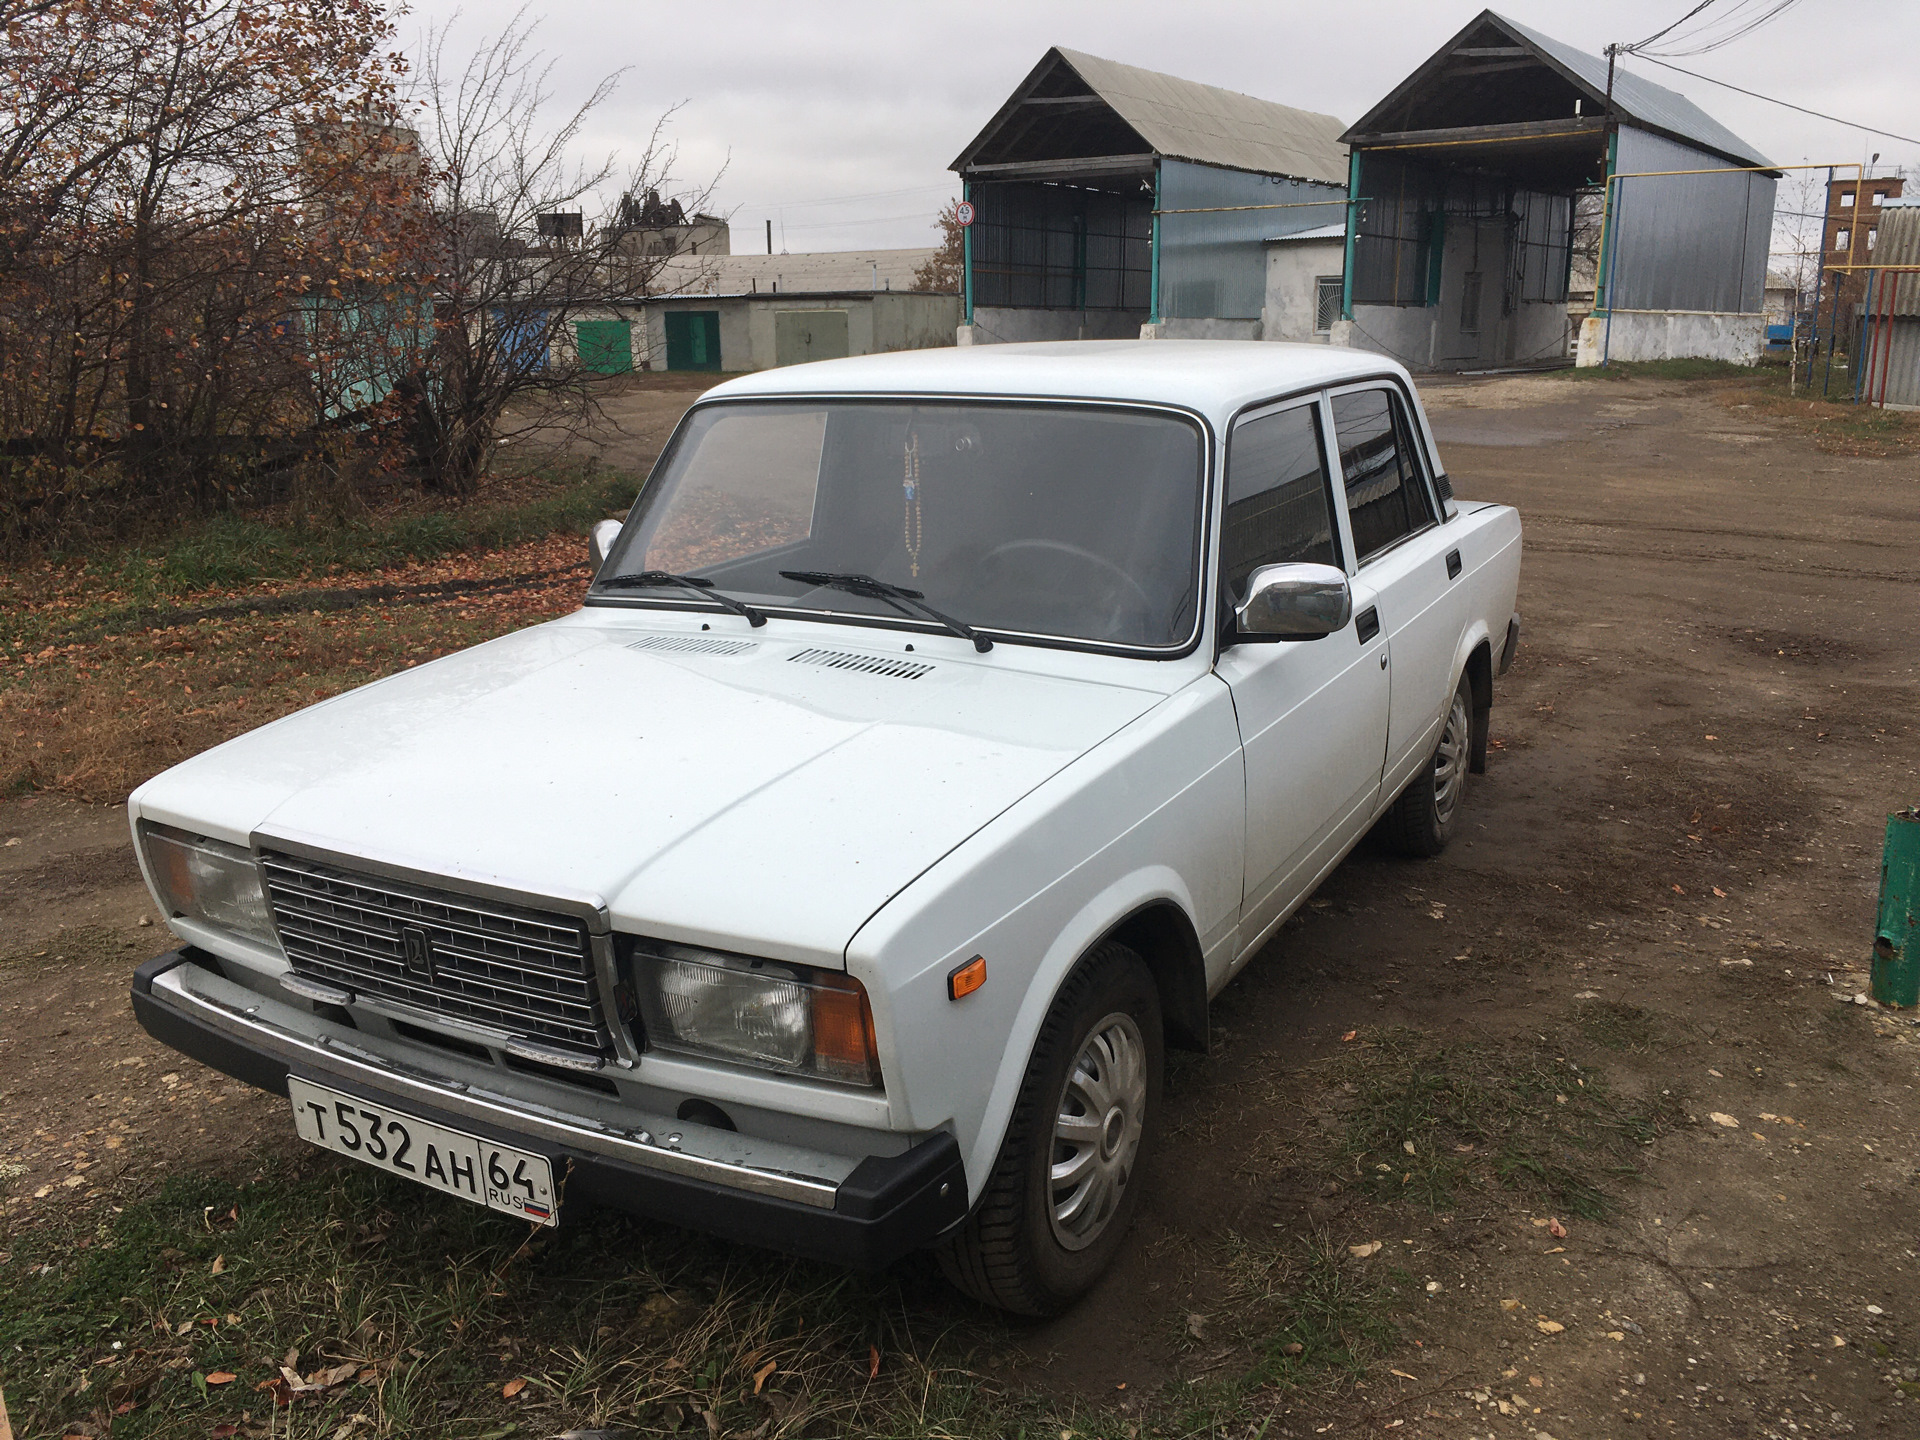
<point x="1402" y="551"/>
<point x="1312" y="714"/>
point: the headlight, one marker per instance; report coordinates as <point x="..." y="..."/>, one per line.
<point x="206" y="880"/>
<point x="777" y="1017"/>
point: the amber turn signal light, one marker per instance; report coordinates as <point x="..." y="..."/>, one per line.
<point x="967" y="978"/>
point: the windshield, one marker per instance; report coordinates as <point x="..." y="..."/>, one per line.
<point x="1072" y="521"/>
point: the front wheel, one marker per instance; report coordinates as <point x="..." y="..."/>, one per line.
<point x="1064" y="1189"/>
<point x="1421" y="820"/>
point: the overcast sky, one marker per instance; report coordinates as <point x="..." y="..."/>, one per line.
<point x="837" y="119"/>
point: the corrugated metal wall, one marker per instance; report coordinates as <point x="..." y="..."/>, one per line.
<point x="1893" y="364"/>
<point x="1686" y="242"/>
<point x="1214" y="265"/>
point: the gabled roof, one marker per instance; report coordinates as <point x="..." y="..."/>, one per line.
<point x="1636" y="100"/>
<point x="1184" y="120"/>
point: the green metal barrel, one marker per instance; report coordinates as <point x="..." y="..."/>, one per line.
<point x="1896" y="939"/>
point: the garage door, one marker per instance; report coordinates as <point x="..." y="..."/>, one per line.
<point x="606" y="346"/>
<point x="803" y="335"/>
<point x="693" y="339"/>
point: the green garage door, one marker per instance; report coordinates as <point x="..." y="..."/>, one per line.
<point x="803" y="335"/>
<point x="606" y="346"/>
<point x="693" y="339"/>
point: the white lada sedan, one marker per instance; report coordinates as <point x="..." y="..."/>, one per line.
<point x="940" y="732"/>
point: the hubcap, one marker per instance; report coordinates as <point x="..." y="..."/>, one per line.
<point x="1096" y="1131"/>
<point x="1450" y="760"/>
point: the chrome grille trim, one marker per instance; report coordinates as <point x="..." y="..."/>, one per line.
<point x="514" y="970"/>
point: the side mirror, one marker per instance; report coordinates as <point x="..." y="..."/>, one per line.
<point x="600" y="540"/>
<point x="1294" y="602"/>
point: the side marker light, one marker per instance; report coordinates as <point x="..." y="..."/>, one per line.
<point x="967" y="978"/>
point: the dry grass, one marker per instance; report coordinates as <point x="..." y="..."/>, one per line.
<point x="1838" y="428"/>
<point x="94" y="716"/>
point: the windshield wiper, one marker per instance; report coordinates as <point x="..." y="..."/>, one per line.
<point x="661" y="579"/>
<point x="902" y="599"/>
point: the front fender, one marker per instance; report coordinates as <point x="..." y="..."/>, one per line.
<point x="1154" y="817"/>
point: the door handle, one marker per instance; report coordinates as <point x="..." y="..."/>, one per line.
<point x="1367" y="623"/>
<point x="1453" y="564"/>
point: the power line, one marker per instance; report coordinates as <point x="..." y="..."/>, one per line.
<point x="1704" y="4"/>
<point x="1755" y="94"/>
<point x="1703" y="41"/>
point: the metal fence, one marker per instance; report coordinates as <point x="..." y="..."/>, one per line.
<point x="1406" y="211"/>
<point x="1060" y="247"/>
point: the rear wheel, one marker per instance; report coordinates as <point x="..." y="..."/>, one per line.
<point x="1421" y="820"/>
<point x="1064" y="1189"/>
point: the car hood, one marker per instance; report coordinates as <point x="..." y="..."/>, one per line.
<point x="759" y="794"/>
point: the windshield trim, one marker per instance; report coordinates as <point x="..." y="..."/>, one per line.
<point x="1208" y="452"/>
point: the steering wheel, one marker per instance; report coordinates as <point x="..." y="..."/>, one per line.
<point x="1012" y="549"/>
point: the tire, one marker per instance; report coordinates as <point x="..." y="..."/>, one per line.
<point x="1033" y="1245"/>
<point x="1422" y="819"/>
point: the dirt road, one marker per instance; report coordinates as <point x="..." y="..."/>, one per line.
<point x="1665" y="882"/>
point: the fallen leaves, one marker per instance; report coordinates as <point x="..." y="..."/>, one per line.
<point x="1366" y="1251"/>
<point x="222" y="1377"/>
<point x="873" y="1362"/>
<point x="1720" y="1117"/>
<point x="760" y="1375"/>
<point x="512" y="1388"/>
<point x="1556" y="1229"/>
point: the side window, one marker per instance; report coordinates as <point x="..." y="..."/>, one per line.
<point x="1386" y="500"/>
<point x="1279" y="497"/>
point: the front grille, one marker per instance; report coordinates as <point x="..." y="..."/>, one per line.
<point x="524" y="971"/>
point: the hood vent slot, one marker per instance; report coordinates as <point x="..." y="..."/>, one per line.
<point x="694" y="645"/>
<point x="863" y="664"/>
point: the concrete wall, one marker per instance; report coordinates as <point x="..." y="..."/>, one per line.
<point x="1415" y="335"/>
<point x="1537" y="330"/>
<point x="1293" y="268"/>
<point x="877" y="323"/>
<point x="993" y="325"/>
<point x="1673" y="335"/>
<point x="1406" y="333"/>
<point x="914" y="321"/>
<point x="1202" y="330"/>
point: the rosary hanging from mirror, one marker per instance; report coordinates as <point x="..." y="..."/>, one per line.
<point x="910" y="518"/>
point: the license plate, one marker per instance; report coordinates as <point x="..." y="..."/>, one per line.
<point x="497" y="1176"/>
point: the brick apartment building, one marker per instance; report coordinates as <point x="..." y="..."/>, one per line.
<point x="1852" y="230"/>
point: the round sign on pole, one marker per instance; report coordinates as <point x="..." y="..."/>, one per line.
<point x="963" y="213"/>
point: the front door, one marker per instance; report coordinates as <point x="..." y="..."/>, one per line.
<point x="1312" y="713"/>
<point x="1401" y="549"/>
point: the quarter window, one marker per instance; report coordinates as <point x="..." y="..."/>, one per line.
<point x="1386" y="498"/>
<point x="1279" y="500"/>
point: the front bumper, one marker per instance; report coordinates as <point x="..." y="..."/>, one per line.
<point x="886" y="1207"/>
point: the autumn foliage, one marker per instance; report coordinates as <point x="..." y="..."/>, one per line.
<point x="201" y="204"/>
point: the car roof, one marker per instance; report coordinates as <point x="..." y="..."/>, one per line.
<point x="1214" y="377"/>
